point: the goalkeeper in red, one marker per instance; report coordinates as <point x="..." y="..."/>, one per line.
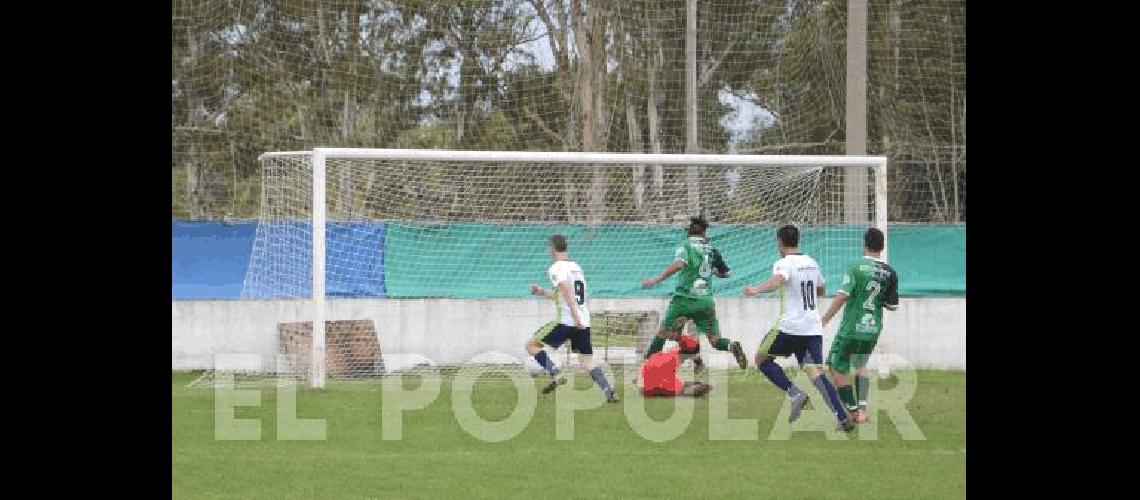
<point x="695" y="259"/>
<point x="659" y="373"/>
<point x="869" y="285"/>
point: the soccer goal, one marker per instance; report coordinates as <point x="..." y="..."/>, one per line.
<point x="437" y="248"/>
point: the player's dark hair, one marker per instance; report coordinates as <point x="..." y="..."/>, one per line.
<point x="559" y="243"/>
<point x="789" y="236"/>
<point x="697" y="226"/>
<point x="874" y="240"/>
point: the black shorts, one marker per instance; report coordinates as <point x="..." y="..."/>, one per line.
<point x="808" y="349"/>
<point x="579" y="339"/>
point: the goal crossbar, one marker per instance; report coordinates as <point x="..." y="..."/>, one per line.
<point x="595" y="158"/>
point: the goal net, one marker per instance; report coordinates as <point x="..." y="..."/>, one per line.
<point x="424" y="257"/>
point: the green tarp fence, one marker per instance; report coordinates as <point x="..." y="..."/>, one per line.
<point x="499" y="261"/>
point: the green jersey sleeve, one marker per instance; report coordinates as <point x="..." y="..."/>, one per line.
<point x="681" y="254"/>
<point x="848" y="286"/>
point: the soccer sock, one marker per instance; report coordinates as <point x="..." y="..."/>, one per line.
<point x="864" y="385"/>
<point x="656" y="345"/>
<point x="776" y="374"/>
<point x="546" y="363"/>
<point x="830" y="396"/>
<point x="722" y="344"/>
<point x="847" y="394"/>
<point x="600" y="378"/>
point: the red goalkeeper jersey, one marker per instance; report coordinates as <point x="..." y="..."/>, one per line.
<point x="659" y="374"/>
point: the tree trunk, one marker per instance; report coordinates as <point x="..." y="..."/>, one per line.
<point x="655" y="128"/>
<point x="896" y="29"/>
<point x="590" y="39"/>
<point x="347" y="131"/>
<point x="635" y="146"/>
<point x="559" y="38"/>
<point x="193" y="201"/>
<point x="301" y="118"/>
<point x="953" y="131"/>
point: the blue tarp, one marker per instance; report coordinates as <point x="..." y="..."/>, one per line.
<point x="209" y="260"/>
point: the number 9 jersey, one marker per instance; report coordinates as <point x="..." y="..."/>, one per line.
<point x="568" y="271"/>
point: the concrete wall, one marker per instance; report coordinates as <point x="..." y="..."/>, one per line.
<point x="926" y="332"/>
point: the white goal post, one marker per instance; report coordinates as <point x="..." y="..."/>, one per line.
<point x="746" y="190"/>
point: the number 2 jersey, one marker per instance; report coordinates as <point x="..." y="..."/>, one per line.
<point x="869" y="285"/>
<point x="568" y="271"/>
<point x="798" y="313"/>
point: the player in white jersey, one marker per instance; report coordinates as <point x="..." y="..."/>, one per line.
<point x="799" y="331"/>
<point x="572" y="319"/>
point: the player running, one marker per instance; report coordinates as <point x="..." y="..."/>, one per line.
<point x="869" y="285"/>
<point x="572" y="319"/>
<point x="696" y="259"/>
<point x="798" y="331"/>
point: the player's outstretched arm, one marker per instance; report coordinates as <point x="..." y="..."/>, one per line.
<point x="840" y="299"/>
<point x="674" y="267"/>
<point x="773" y="283"/>
<point x="539" y="291"/>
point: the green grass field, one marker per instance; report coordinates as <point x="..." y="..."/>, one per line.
<point x="606" y="458"/>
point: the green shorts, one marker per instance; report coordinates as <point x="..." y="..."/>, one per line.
<point x="701" y="311"/>
<point x="847" y="352"/>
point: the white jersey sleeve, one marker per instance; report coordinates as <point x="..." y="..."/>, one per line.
<point x="558" y="274"/>
<point x="782" y="267"/>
